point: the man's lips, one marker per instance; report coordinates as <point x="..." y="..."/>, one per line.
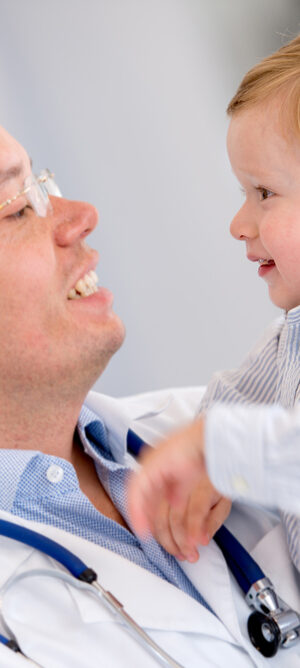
<point x="84" y="268"/>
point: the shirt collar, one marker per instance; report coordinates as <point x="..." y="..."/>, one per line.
<point x="13" y="464"/>
<point x="293" y="316"/>
<point x="94" y="433"/>
<point x="94" y="436"/>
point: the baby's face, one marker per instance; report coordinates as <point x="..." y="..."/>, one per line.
<point x="268" y="169"/>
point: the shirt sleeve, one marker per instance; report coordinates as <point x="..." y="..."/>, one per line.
<point x="253" y="452"/>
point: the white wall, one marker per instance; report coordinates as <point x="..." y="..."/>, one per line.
<point x="125" y="100"/>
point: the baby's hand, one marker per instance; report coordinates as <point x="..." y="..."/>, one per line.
<point x="180" y="530"/>
<point x="172" y="496"/>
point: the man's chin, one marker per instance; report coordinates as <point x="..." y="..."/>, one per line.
<point x="116" y="339"/>
<point x="111" y="343"/>
<point x="94" y="350"/>
<point x="119" y="333"/>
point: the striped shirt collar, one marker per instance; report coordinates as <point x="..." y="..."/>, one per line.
<point x="293" y="316"/>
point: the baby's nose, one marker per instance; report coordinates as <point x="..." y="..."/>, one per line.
<point x="243" y="225"/>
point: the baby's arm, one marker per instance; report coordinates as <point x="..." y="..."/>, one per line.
<point x="248" y="451"/>
<point x="172" y="495"/>
<point x="254" y="452"/>
<point x="171" y="524"/>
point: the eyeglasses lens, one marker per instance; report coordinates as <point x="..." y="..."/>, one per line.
<point x="39" y="190"/>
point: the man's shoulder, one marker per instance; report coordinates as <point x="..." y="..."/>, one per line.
<point x="180" y="399"/>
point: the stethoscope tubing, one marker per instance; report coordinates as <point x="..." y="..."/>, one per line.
<point x="258" y="589"/>
<point x="243" y="566"/>
<point x="86" y="576"/>
<point x="44" y="544"/>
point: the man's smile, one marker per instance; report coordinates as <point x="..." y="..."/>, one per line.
<point x="85" y="286"/>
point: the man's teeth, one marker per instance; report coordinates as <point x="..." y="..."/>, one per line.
<point x="86" y="286"/>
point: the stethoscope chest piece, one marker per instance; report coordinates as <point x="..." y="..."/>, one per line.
<point x="263" y="633"/>
<point x="272" y="624"/>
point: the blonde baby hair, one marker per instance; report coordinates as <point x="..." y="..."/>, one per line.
<point x="278" y="76"/>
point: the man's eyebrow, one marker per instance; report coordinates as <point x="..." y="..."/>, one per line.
<point x="11" y="173"/>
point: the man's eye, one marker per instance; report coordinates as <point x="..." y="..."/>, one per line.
<point x="20" y="213"/>
<point x="264" y="193"/>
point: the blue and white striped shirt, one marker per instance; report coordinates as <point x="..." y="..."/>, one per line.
<point x="253" y="426"/>
<point x="45" y="488"/>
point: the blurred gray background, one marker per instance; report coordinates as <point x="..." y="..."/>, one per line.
<point x="125" y="100"/>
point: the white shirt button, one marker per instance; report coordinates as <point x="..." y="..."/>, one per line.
<point x="55" y="473"/>
<point x="240" y="484"/>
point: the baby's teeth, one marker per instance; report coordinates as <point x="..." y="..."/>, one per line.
<point x="266" y="261"/>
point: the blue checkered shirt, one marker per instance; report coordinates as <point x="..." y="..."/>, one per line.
<point x="45" y="488"/>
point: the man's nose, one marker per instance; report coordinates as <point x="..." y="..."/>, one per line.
<point x="243" y="226"/>
<point x="74" y="220"/>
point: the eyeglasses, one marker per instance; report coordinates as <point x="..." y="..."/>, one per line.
<point x="37" y="190"/>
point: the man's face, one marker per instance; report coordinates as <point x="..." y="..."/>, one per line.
<point x="268" y="169"/>
<point x="46" y="339"/>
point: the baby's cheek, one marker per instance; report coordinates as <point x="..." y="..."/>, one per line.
<point x="270" y="234"/>
<point x="279" y="233"/>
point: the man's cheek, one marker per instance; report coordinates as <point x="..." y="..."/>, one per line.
<point x="23" y="285"/>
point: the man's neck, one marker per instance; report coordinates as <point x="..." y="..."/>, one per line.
<point x="47" y="428"/>
<point x="51" y="429"/>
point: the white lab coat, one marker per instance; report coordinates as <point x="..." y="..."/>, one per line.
<point x="61" y="627"/>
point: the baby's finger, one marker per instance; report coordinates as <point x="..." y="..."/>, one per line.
<point x="169" y="472"/>
<point x="138" y="504"/>
<point x="202" y="499"/>
<point x="177" y="521"/>
<point x="162" y="531"/>
<point x="147" y="495"/>
<point x="217" y="516"/>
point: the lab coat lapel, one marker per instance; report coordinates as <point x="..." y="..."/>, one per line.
<point x="210" y="576"/>
<point x="152" y="601"/>
<point x="151" y="417"/>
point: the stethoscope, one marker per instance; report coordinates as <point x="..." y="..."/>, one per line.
<point x="273" y="623"/>
<point x="83" y="577"/>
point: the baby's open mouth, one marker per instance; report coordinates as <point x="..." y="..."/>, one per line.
<point x="263" y="262"/>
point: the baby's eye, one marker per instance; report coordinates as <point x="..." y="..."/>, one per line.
<point x="264" y="193"/>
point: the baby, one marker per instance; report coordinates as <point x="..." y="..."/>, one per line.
<point x="246" y="441"/>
